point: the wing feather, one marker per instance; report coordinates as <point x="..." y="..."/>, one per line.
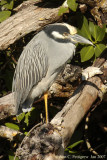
<point x="31" y="68"/>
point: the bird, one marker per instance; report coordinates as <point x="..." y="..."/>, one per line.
<point x="41" y="61"/>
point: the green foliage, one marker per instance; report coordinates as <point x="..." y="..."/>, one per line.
<point x="11" y="157"/>
<point x="21" y="116"/>
<point x="7" y="4"/>
<point x="66" y="5"/>
<point x="12" y="126"/>
<point x="89" y="30"/>
<point x="6" y="7"/>
<point x="86" y="53"/>
<point x="84" y="31"/>
<point x="27" y="115"/>
<point x="62" y="10"/>
<point x="4" y="15"/>
<point x="72" y="5"/>
<point x="98" y="49"/>
<point x="95" y="34"/>
<point x="70" y="148"/>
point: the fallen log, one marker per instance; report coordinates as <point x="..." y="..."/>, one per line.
<point x="31" y="16"/>
<point x="49" y="141"/>
<point x="62" y="87"/>
<point x="78" y="105"/>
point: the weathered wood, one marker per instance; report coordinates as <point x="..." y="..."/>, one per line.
<point x="31" y="16"/>
<point x="66" y="121"/>
<point x="56" y="135"/>
<point x="62" y="87"/>
<point x="7" y="106"/>
<point x="20" y="24"/>
<point x="10" y="134"/>
<point x="98" y="9"/>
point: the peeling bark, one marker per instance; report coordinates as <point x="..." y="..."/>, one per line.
<point x="52" y="138"/>
<point x="10" y="134"/>
<point x="48" y="141"/>
<point x="98" y="9"/>
<point x="31" y="16"/>
<point x="6" y="106"/>
<point x="62" y="87"/>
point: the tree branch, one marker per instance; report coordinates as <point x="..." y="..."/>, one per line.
<point x="10" y="134"/>
<point x="62" y="87"/>
<point x="31" y="16"/>
<point x="49" y="141"/>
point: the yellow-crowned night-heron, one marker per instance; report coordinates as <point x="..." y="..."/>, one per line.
<point x="41" y="61"/>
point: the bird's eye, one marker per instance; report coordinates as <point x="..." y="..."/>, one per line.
<point x="65" y="34"/>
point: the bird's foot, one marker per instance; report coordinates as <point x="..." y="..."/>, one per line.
<point x="90" y="72"/>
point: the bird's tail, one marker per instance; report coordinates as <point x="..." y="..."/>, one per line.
<point x="26" y="106"/>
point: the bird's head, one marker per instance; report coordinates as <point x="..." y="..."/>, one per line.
<point x="63" y="32"/>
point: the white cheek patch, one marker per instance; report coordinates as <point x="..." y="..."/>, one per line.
<point x="57" y="35"/>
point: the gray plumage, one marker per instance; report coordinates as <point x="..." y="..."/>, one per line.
<point x="41" y="61"/>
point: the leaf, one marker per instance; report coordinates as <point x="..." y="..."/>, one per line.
<point x="25" y="133"/>
<point x="75" y="144"/>
<point x="93" y="30"/>
<point x="84" y="31"/>
<point x="73" y="152"/>
<point x="4" y="15"/>
<point x="12" y="157"/>
<point x="100" y="33"/>
<point x="8" y="4"/>
<point x="3" y="2"/>
<point x="99" y="49"/>
<point x="27" y="115"/>
<point x="97" y="32"/>
<point x="62" y="10"/>
<point x="12" y="126"/>
<point x="72" y="5"/>
<point x="86" y="53"/>
<point x="21" y="116"/>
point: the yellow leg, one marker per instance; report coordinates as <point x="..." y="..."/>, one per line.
<point x="46" y="106"/>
